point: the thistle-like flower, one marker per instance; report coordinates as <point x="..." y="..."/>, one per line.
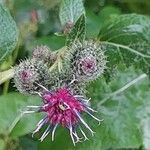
<point x="63" y="108"/>
<point x="28" y="74"/>
<point x="87" y="61"/>
<point x="62" y="93"/>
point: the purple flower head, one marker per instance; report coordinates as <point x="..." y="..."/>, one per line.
<point x="63" y="108"/>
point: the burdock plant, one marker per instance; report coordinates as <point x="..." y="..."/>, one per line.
<point x="60" y="78"/>
<point x="62" y="92"/>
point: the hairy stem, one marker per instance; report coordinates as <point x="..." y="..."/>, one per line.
<point x="6" y="87"/>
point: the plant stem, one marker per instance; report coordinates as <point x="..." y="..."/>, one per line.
<point x="6" y="87"/>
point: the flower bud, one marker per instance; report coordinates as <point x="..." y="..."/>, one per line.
<point x="30" y="75"/>
<point x="88" y="61"/>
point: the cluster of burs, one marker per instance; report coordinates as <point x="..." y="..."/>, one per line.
<point x="80" y="63"/>
<point x="59" y="78"/>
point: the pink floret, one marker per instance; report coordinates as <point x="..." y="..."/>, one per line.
<point x="60" y="107"/>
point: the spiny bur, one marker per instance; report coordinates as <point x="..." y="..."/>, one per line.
<point x="87" y="60"/>
<point x="29" y="74"/>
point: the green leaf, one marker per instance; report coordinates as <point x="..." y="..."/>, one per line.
<point x="120" y="109"/>
<point x="11" y="118"/>
<point x="146" y="132"/>
<point x="70" y="11"/>
<point x="62" y="141"/>
<point x="127" y="40"/>
<point x="78" y="31"/>
<point x="2" y="144"/>
<point x="28" y="143"/>
<point x="8" y="33"/>
<point x="93" y="21"/>
<point x="108" y="11"/>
